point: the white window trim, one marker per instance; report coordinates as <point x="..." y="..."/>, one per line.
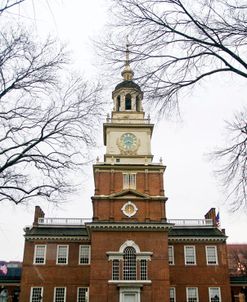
<point x="216" y="254"/>
<point x="209" y="299"/>
<point x="173" y="259"/>
<point x="31" y="292"/>
<point x="187" y="293"/>
<point x="174" y="289"/>
<point x="89" y="254"/>
<point x="129" y="186"/>
<point x="67" y="258"/>
<point x="135" y="291"/>
<point x="87" y="298"/>
<point x="35" y="254"/>
<point x="194" y="248"/>
<point x="54" y="294"/>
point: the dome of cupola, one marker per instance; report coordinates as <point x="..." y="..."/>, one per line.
<point x="128" y="84"/>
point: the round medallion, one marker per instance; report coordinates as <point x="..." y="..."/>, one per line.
<point x="129" y="209"/>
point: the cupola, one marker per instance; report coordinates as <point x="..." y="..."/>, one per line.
<point x="127" y="95"/>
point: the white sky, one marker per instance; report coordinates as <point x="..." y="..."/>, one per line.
<point x="183" y="144"/>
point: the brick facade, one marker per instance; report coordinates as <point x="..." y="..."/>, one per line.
<point x="129" y="233"/>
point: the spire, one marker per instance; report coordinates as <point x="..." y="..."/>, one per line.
<point x="127" y="72"/>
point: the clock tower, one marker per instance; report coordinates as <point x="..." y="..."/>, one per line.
<point x="129" y="256"/>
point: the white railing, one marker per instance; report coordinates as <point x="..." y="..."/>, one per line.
<point x="191" y="222"/>
<point x="128" y="121"/>
<point x="63" y="221"/>
<point x="82" y="221"/>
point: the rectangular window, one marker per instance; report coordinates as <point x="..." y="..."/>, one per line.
<point x="192" y="294"/>
<point x="115" y="270"/>
<point x="190" y="255"/>
<point x="129" y="181"/>
<point x="39" y="254"/>
<point x="36" y="294"/>
<point x="82" y="294"/>
<point x="171" y="255"/>
<point x="60" y="294"/>
<point x="84" y="254"/>
<point x="214" y="294"/>
<point x="62" y="254"/>
<point x="144" y="269"/>
<point x="211" y="255"/>
<point x="172" y="294"/>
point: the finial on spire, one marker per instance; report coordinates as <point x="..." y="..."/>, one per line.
<point x="127" y="51"/>
<point x="127" y="72"/>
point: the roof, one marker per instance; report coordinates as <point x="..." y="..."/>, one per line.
<point x="13" y="275"/>
<point x="127" y="84"/>
<point x="196" y="232"/>
<point x="57" y="231"/>
<point x="238" y="280"/>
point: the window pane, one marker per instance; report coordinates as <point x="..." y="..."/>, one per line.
<point x="172" y="294"/>
<point x="60" y="294"/>
<point x="129" y="269"/>
<point x="132" y="181"/>
<point x="143" y="264"/>
<point x="214" y="294"/>
<point x="190" y="255"/>
<point x="84" y="254"/>
<point x="211" y="253"/>
<point x="39" y="254"/>
<point x="115" y="270"/>
<point x="82" y="295"/>
<point x="36" y="294"/>
<point x="129" y="181"/>
<point x="170" y="254"/>
<point x="62" y="254"/>
<point x="192" y="295"/>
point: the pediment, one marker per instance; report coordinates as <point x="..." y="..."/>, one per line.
<point x="129" y="193"/>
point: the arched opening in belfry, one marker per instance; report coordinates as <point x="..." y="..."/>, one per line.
<point x="138" y="104"/>
<point x="128" y="102"/>
<point x="118" y="103"/>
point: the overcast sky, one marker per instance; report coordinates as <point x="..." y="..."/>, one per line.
<point x="183" y="143"/>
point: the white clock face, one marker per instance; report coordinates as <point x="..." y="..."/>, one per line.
<point x="129" y="209"/>
<point x="128" y="142"/>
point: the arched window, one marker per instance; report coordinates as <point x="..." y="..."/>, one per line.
<point x="129" y="265"/>
<point x="128" y="102"/>
<point x="118" y="103"/>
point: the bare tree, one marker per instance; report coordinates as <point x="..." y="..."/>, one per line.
<point x="180" y="43"/>
<point x="233" y="159"/>
<point x="176" y="44"/>
<point x="47" y="117"/>
<point x="7" y="4"/>
<point x="237" y="259"/>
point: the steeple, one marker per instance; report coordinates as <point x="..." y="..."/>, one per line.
<point x="127" y="133"/>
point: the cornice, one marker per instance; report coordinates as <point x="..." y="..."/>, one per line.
<point x="56" y="238"/>
<point x="151" y="168"/>
<point x="196" y="239"/>
<point x="149" y="198"/>
<point x="102" y="226"/>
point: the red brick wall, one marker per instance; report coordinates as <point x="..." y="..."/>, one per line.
<point x="200" y="275"/>
<point x="158" y="271"/>
<point x="106" y="184"/>
<point x="50" y="275"/>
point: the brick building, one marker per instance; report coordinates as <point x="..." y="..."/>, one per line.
<point x="129" y="251"/>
